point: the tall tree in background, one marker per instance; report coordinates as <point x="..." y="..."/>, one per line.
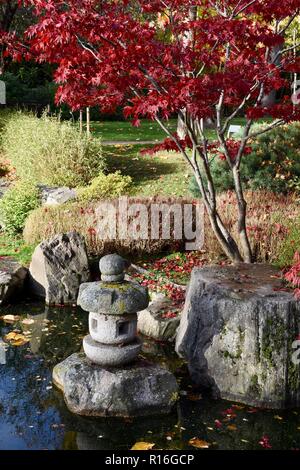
<point x="159" y="57"/>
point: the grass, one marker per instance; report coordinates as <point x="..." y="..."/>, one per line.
<point x="164" y="174"/>
<point x="15" y="248"/>
<point x="124" y="131"/>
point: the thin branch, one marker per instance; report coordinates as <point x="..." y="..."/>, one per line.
<point x="281" y="31"/>
<point x="275" y="124"/>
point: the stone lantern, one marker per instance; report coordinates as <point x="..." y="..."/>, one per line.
<point x="109" y="379"/>
<point x="113" y="305"/>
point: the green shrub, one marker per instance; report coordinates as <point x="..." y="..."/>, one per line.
<point x="289" y="245"/>
<point x="274" y="161"/>
<point x="16" y="205"/>
<point x="51" y="152"/>
<point x="105" y="187"/>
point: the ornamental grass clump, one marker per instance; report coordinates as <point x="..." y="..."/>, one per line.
<point x="49" y="151"/>
<point x="16" y="205"/>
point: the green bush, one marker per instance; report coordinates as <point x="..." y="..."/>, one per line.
<point x="16" y="205"/>
<point x="273" y="163"/>
<point x="289" y="245"/>
<point x="105" y="187"/>
<point x="51" y="152"/>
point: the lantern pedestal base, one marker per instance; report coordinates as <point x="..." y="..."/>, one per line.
<point x="139" y="389"/>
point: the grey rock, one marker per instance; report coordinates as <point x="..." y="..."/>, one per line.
<point x="237" y="331"/>
<point x="113" y="299"/>
<point x="58" y="267"/>
<point x="4" y="187"/>
<point x="56" y="196"/>
<point x="140" y="389"/>
<point x="12" y="278"/>
<point x="110" y="355"/>
<point x="151" y="322"/>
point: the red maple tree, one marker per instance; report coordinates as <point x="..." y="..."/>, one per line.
<point x="194" y="58"/>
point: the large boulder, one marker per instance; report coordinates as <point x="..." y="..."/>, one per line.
<point x="58" y="267"/>
<point x="12" y="277"/>
<point x="140" y="389"/>
<point x="237" y="333"/>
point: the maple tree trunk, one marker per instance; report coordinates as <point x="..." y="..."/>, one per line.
<point x="223" y="236"/>
<point x="242" y="209"/>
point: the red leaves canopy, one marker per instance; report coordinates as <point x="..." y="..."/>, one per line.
<point x="155" y="58"/>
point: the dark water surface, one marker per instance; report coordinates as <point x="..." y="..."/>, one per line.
<point x="33" y="414"/>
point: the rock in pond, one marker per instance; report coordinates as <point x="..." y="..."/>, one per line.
<point x="237" y="332"/>
<point x="139" y="389"/>
<point x="12" y="278"/>
<point x="58" y="267"/>
<point x="158" y="321"/>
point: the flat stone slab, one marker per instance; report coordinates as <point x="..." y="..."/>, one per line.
<point x="140" y="389"/>
<point x="159" y="320"/>
<point x="113" y="299"/>
<point x="12" y="278"/>
<point x="237" y="332"/>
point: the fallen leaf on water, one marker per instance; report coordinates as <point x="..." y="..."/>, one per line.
<point x="198" y="443"/>
<point x="232" y="427"/>
<point x="143" y="446"/>
<point x="280" y="418"/>
<point x="10" y="318"/>
<point x="16" y="339"/>
<point x="27" y="321"/>
<point x="10" y="336"/>
<point x="265" y="442"/>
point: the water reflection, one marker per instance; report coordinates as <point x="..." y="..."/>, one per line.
<point x="33" y="414"/>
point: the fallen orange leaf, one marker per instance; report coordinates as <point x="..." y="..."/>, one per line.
<point x="143" y="446"/>
<point x="232" y="427"/>
<point x="198" y="443"/>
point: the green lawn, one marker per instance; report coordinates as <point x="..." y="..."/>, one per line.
<point x="166" y="173"/>
<point x="124" y="131"/>
<point x="148" y="131"/>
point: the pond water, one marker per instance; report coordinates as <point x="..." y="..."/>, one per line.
<point x="33" y="414"/>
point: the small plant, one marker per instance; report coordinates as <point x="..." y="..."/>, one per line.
<point x="293" y="275"/>
<point x="48" y="151"/>
<point x="16" y="205"/>
<point x="105" y="187"/>
<point x="290" y="244"/>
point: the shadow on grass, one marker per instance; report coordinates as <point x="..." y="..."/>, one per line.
<point x="142" y="168"/>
